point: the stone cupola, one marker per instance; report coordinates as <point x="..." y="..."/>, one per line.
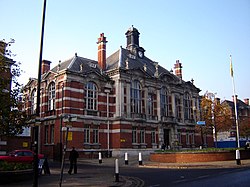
<point x="132" y="38"/>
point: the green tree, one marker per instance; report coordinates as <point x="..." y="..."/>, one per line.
<point x="12" y="118"/>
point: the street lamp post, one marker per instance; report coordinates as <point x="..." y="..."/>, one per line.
<point x="61" y="122"/>
<point x="36" y="128"/>
<point x="107" y="91"/>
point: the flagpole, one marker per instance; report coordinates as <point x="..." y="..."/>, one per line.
<point x="235" y="104"/>
<point x="236" y="114"/>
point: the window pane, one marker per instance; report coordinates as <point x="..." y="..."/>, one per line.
<point x="33" y="101"/>
<point x="142" y="136"/>
<point x="136" y="97"/>
<point x="153" y="136"/>
<point x="51" y="96"/>
<point x="134" y="135"/>
<point x="86" y="135"/>
<point x="46" y="134"/>
<point x="52" y="134"/>
<point x="91" y="96"/>
<point x="95" y="136"/>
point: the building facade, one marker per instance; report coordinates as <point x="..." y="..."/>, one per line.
<point x="125" y="102"/>
<point x="228" y="138"/>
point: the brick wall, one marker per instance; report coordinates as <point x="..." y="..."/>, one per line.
<point x="197" y="157"/>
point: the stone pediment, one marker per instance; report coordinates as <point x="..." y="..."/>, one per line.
<point x="169" y="78"/>
<point x="49" y="76"/>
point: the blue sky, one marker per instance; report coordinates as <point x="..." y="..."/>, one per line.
<point x="202" y="34"/>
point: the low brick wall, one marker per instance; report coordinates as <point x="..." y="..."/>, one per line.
<point x="15" y="176"/>
<point x="186" y="157"/>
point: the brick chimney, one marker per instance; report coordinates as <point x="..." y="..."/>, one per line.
<point x="2" y="47"/>
<point x="217" y="100"/>
<point x="102" y="51"/>
<point x="45" y="66"/>
<point x="246" y="101"/>
<point x="234" y="98"/>
<point x="178" y="69"/>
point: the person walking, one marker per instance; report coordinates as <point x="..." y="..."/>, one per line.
<point x="73" y="160"/>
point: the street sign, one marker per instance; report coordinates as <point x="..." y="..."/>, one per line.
<point x="70" y="135"/>
<point x="201" y="123"/>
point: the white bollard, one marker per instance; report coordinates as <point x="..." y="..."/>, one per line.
<point x="238" y="157"/>
<point x="126" y="158"/>
<point x="140" y="159"/>
<point x="116" y="170"/>
<point x="100" y="157"/>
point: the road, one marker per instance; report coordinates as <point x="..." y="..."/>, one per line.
<point x="152" y="177"/>
<point x="224" y="177"/>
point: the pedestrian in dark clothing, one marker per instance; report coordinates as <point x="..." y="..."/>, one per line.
<point x="163" y="147"/>
<point x="73" y="160"/>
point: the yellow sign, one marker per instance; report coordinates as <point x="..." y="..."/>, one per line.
<point x="122" y="140"/>
<point x="25" y="144"/>
<point x="70" y="136"/>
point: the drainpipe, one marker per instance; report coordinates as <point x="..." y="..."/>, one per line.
<point x="108" y="120"/>
<point x="108" y="128"/>
<point x="61" y="122"/>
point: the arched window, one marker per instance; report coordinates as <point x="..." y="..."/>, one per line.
<point x="51" y="96"/>
<point x="136" y="97"/>
<point x="166" y="102"/>
<point x="91" y="96"/>
<point x="33" y="101"/>
<point x="187" y="106"/>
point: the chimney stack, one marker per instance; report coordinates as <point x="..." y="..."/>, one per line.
<point x="2" y="47"/>
<point x="102" y="51"/>
<point x="45" y="66"/>
<point x="217" y="100"/>
<point x="234" y="98"/>
<point x="246" y="101"/>
<point x="178" y="69"/>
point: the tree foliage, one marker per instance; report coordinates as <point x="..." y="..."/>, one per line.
<point x="12" y="119"/>
<point x="244" y="127"/>
<point x="215" y="115"/>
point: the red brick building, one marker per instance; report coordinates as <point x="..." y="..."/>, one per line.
<point x="125" y="102"/>
<point x="228" y="138"/>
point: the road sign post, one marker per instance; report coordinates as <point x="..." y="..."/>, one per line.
<point x="201" y="124"/>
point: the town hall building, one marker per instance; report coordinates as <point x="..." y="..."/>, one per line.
<point x="125" y="102"/>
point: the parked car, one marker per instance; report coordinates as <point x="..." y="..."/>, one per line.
<point x="21" y="156"/>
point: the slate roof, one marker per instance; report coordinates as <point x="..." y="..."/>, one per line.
<point x="240" y="104"/>
<point x="115" y="61"/>
<point x="78" y="64"/>
<point x="119" y="58"/>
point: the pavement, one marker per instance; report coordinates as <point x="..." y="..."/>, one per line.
<point x="98" y="177"/>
